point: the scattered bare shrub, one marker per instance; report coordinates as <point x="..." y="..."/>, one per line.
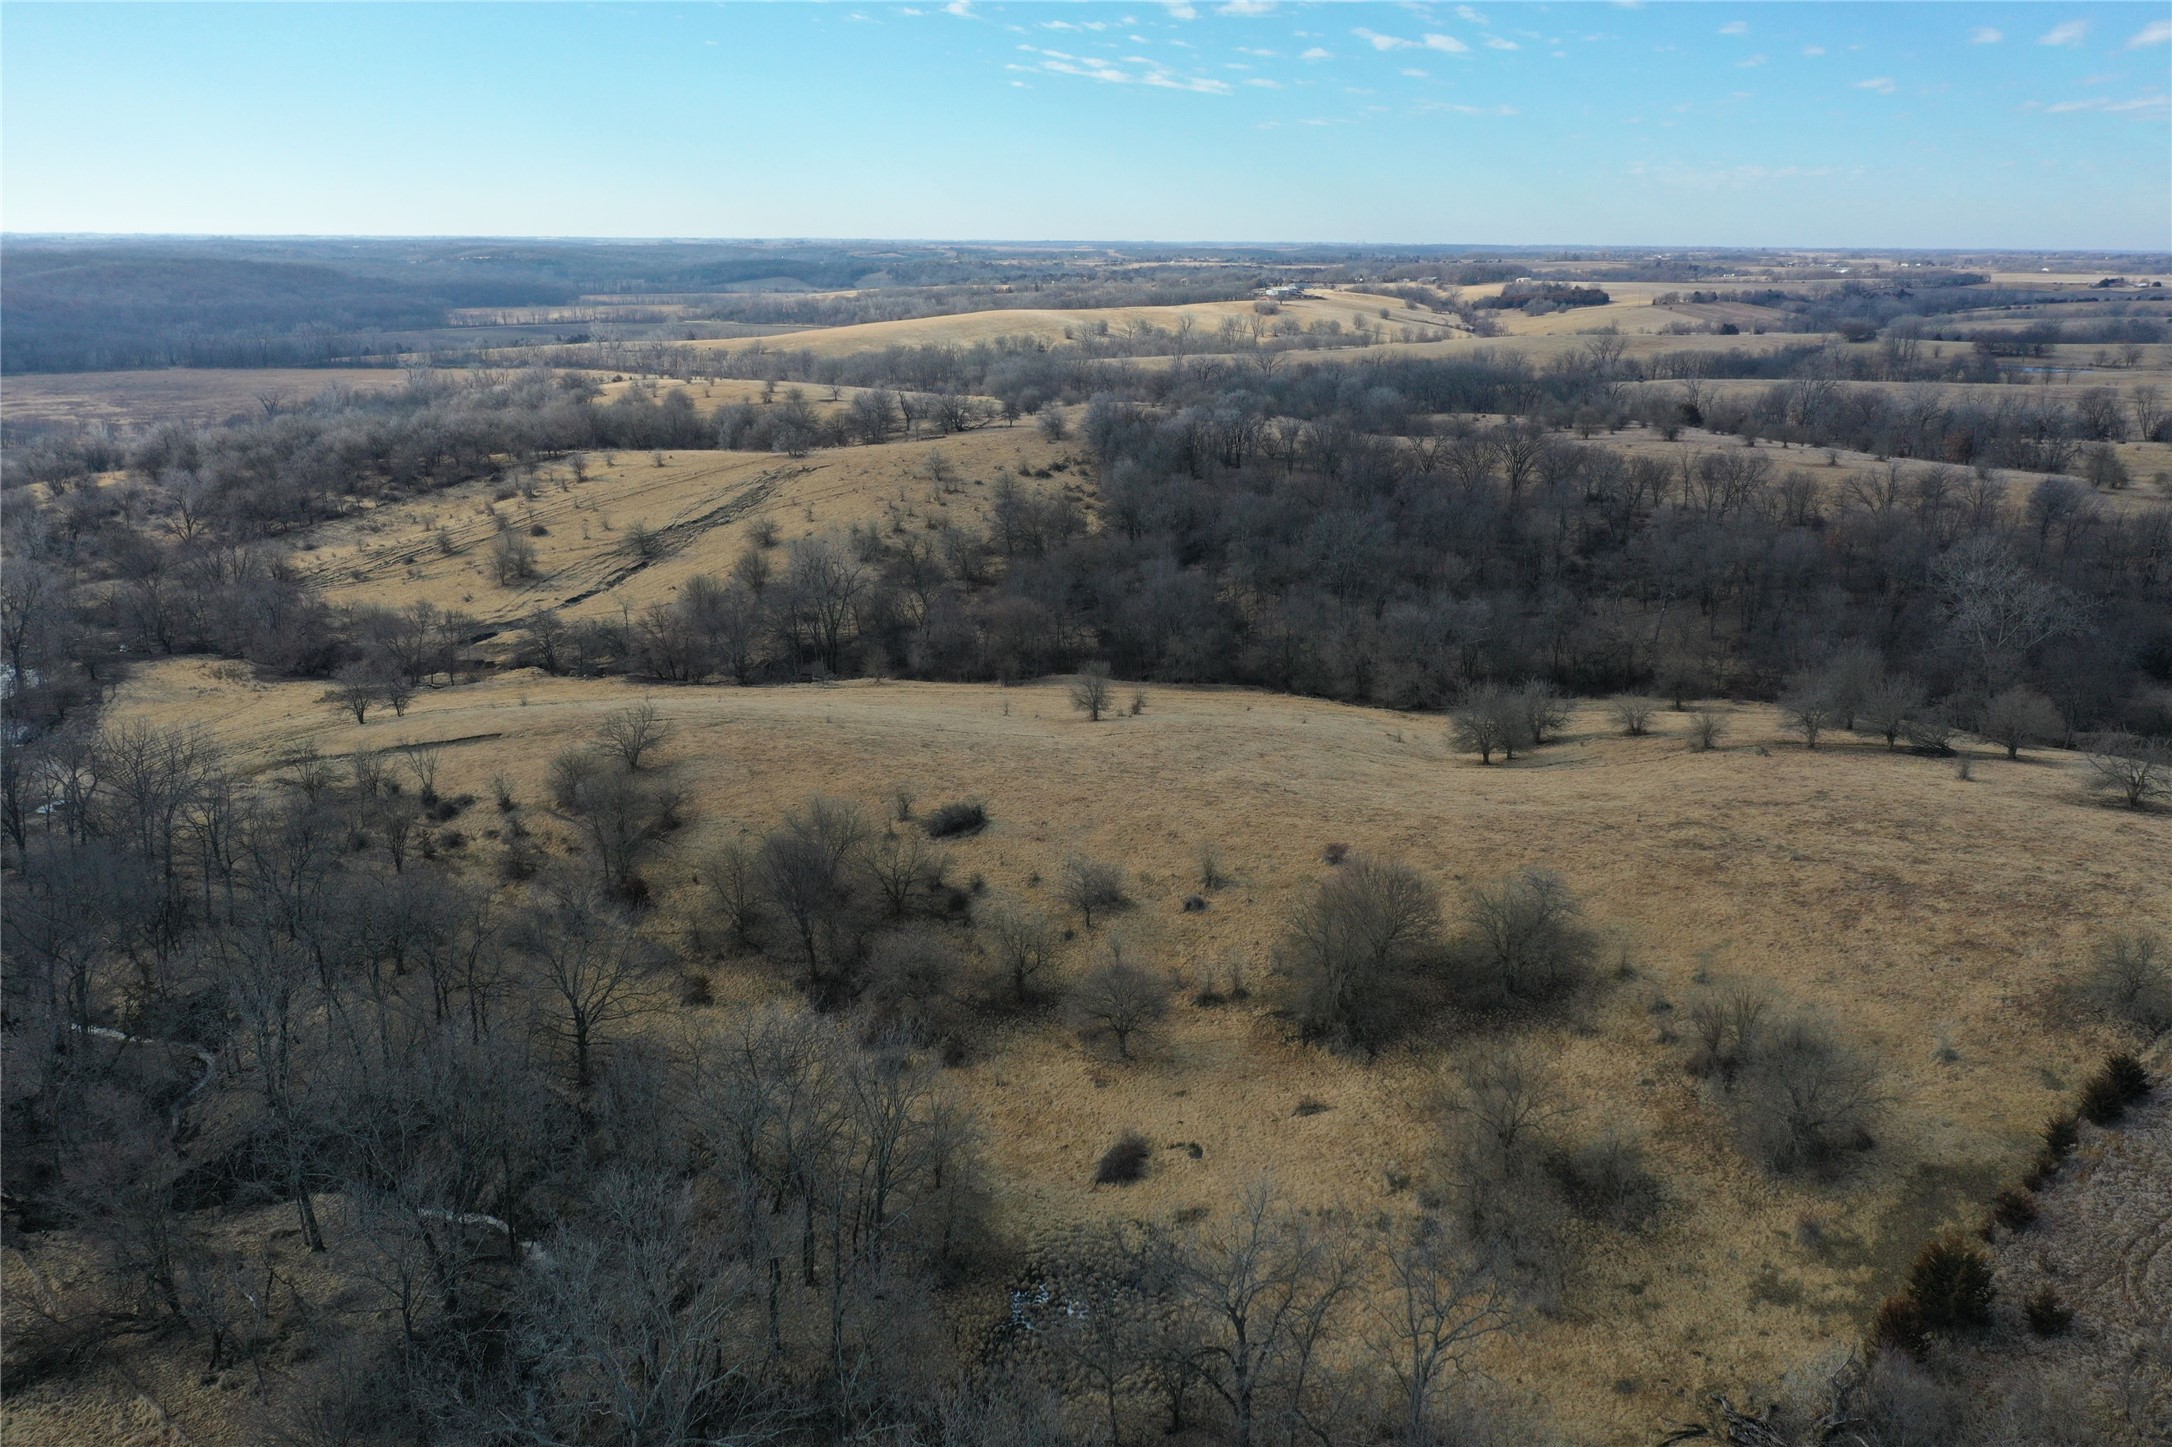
<point x="2046" y="1314"/>
<point x="1545" y="712"/>
<point x="1727" y="1027"/>
<point x="1498" y="1171"/>
<point x="1633" y="716"/>
<point x="1808" y="709"/>
<point x="967" y="816"/>
<point x="512" y="560"/>
<point x="1608" y="1181"/>
<point x="2130" y="979"/>
<point x="1706" y="729"/>
<point x="731" y="875"/>
<point x="1209" y="866"/>
<point x="1089" y="885"/>
<point x="2136" y="770"/>
<point x="1803" y="1099"/>
<point x="1124" y="1162"/>
<point x="1348" y="951"/>
<point x="912" y="978"/>
<point x="1932" y="732"/>
<point x="1889" y="706"/>
<point x="1523" y="943"/>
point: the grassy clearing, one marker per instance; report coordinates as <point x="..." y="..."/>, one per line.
<point x="178" y="394"/>
<point x="703" y="509"/>
<point x="1916" y="909"/>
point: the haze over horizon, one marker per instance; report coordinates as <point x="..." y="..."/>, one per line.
<point x="1891" y="126"/>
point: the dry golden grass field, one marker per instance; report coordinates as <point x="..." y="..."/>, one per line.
<point x="177" y="394"/>
<point x="701" y="507"/>
<point x="1936" y="920"/>
<point x="1056" y="326"/>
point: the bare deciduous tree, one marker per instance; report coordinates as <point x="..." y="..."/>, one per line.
<point x="731" y="873"/>
<point x="593" y="971"/>
<point x="631" y="734"/>
<point x="1490" y="720"/>
<point x="355" y="690"/>
<point x="1120" y="999"/>
<point x="2017" y="716"/>
<point x="1890" y="705"/>
<point x="1808" y="708"/>
<point x="1266" y="1288"/>
<point x="1441" y="1301"/>
<point x="906" y="870"/>
<point x="1024" y="945"/>
<point x="1089" y="885"/>
<point x="1090" y="691"/>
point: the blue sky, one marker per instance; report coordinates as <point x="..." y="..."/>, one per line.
<point x="1872" y="124"/>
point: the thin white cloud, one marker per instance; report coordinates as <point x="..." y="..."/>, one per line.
<point x="1985" y="35"/>
<point x="1469" y="16"/>
<point x="1245" y="7"/>
<point x="1317" y="54"/>
<point x="1416" y="74"/>
<point x="1499" y="42"/>
<point x="1179" y="10"/>
<point x="2069" y="33"/>
<point x="1152" y="73"/>
<point x="1264" y="83"/>
<point x="960" y="8"/>
<point x="1379" y="41"/>
<point x="1735" y="27"/>
<point x="1750" y="64"/>
<point x="2141" y="107"/>
<point x="2157" y="32"/>
<point x="1447" y="44"/>
<point x="1435" y="107"/>
<point x="1882" y="84"/>
<point x="1812" y="52"/>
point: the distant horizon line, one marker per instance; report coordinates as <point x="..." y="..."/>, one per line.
<point x="1071" y="242"/>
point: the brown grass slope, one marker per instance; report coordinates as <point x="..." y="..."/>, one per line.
<point x="701" y="507"/>
<point x="1918" y="910"/>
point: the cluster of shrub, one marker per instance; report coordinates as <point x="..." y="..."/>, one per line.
<point x="1537" y="298"/>
<point x="240" y="1007"/>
